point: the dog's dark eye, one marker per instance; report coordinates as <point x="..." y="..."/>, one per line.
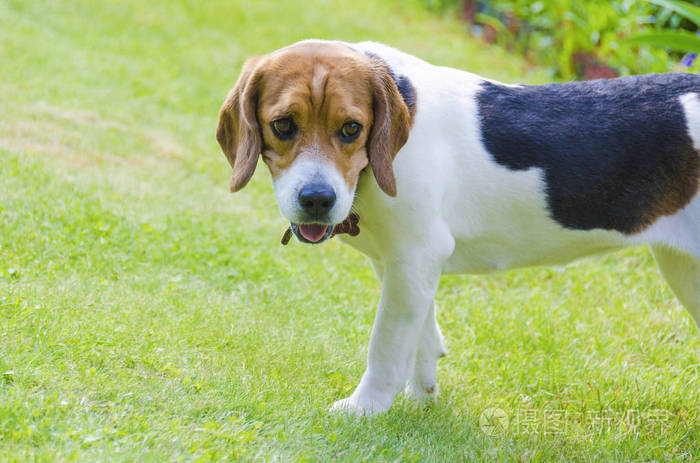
<point x="284" y="128"/>
<point x="349" y="131"/>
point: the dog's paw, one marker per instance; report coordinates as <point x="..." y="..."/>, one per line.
<point x="360" y="406"/>
<point x="422" y="392"/>
<point x="423" y="386"/>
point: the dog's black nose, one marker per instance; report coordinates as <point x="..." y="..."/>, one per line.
<point x="317" y="199"/>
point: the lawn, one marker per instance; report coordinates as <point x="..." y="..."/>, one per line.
<point x="148" y="315"/>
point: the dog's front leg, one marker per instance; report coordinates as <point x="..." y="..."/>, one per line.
<point x="408" y="289"/>
<point x="423" y="384"/>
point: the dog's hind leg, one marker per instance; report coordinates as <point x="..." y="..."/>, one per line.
<point x="682" y="273"/>
<point x="423" y="383"/>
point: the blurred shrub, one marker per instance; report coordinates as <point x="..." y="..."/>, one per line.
<point x="577" y="38"/>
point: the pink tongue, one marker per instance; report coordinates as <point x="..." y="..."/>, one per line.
<point x="313" y="231"/>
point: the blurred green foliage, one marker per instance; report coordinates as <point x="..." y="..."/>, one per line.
<point x="677" y="39"/>
<point x="571" y="36"/>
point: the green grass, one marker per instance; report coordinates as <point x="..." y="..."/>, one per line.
<point x="148" y="315"/>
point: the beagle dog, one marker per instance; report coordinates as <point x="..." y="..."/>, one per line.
<point x="467" y="175"/>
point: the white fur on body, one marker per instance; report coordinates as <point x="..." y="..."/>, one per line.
<point x="459" y="211"/>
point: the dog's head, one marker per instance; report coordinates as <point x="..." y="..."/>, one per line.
<point x="319" y="113"/>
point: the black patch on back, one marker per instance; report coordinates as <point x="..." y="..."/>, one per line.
<point x="408" y="93"/>
<point x="616" y="153"/>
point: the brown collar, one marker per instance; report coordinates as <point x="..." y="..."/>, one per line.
<point x="349" y="226"/>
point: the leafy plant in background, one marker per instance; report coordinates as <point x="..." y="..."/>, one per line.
<point x="585" y="39"/>
<point x="677" y="39"/>
<point x="575" y="38"/>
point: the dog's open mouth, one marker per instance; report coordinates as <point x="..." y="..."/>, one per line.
<point x="312" y="232"/>
<point x="315" y="233"/>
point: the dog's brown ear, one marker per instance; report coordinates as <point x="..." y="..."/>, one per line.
<point x="392" y="123"/>
<point x="238" y="132"/>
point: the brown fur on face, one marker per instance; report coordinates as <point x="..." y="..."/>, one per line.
<point x="321" y="86"/>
